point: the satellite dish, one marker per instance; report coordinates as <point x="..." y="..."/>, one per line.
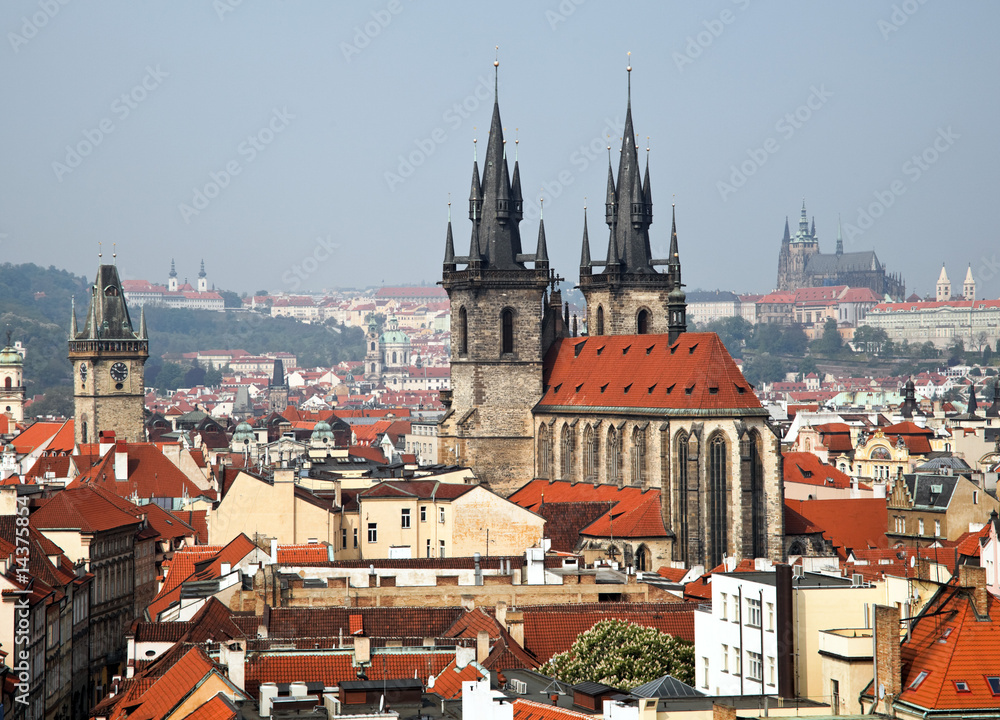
<point x="381" y="702"/>
<point x="881" y="691"/>
<point x="913" y="560"/>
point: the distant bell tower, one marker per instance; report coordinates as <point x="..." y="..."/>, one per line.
<point x="503" y="320"/>
<point x="969" y="286"/>
<point x="11" y="382"/>
<point x="202" y="278"/>
<point x="172" y="277"/>
<point x="108" y="358"/>
<point x="277" y="390"/>
<point x="943" y="286"/>
<point x="373" y="353"/>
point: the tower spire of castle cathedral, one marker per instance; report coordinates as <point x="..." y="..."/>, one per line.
<point x="840" y="238"/>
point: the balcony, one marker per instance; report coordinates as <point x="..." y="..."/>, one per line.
<point x="847" y="643"/>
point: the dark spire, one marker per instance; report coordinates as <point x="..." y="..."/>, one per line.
<point x="609" y="204"/>
<point x="840" y="238"/>
<point x="674" y="261"/>
<point x="449" y="247"/>
<point x="503" y="193"/>
<point x="994" y="409"/>
<point x="585" y="252"/>
<point x="143" y="333"/>
<point x="278" y="376"/>
<point x="542" y="252"/>
<point x="803" y="220"/>
<point x="108" y="317"/>
<point x="173" y="271"/>
<point x="517" y="201"/>
<point x="973" y="403"/>
<point x="909" y="399"/>
<point x="475" y="255"/>
<point x="812" y="232"/>
<point x="476" y="193"/>
<point x="788" y="235"/>
<point x="201" y="273"/>
<point x="676" y="299"/>
<point x="72" y="322"/>
<point x="647" y="195"/>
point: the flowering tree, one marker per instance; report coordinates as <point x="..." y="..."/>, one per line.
<point x="623" y="655"/>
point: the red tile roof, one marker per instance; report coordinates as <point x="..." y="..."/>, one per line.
<point x="672" y="574"/>
<point x="531" y="710"/>
<point x="53" y="436"/>
<point x="449" y="683"/>
<point x="314" y="554"/>
<point x="150" y="474"/>
<point x="197" y="519"/>
<point x="83" y="509"/>
<point x="646" y="373"/>
<point x="175" y="684"/>
<point x="422" y="489"/>
<point x="855" y="524"/>
<point x="645" y="520"/>
<point x="552" y="629"/>
<point x="806" y="468"/>
<point x="916" y="438"/>
<point x="836" y="437"/>
<point x="634" y="513"/>
<point x="218" y="708"/>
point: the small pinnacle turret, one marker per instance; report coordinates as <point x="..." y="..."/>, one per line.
<point x="585" y="252"/>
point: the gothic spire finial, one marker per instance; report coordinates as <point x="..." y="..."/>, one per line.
<point x="628" y="69"/>
<point x="585" y="251"/>
<point x="72" y="322"/>
<point x="840" y="237"/>
<point x="496" y="76"/>
<point x="100" y="251"/>
<point x="114" y="253"/>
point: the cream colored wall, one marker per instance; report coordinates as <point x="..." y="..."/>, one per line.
<point x="74" y="545"/>
<point x="512" y="529"/>
<point x="387" y="513"/>
<point x="255" y="507"/>
<point x="819" y="609"/>
<point x="803" y="491"/>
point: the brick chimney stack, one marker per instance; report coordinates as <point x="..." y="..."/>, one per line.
<point x="973" y="579"/>
<point x="888" y="667"/>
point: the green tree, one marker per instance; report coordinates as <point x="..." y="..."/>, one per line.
<point x="231" y="299"/>
<point x="927" y="350"/>
<point x="733" y="331"/>
<point x="807" y="365"/>
<point x="57" y="401"/>
<point x="170" y="377"/>
<point x="213" y="377"/>
<point x="830" y="343"/>
<point x="871" y="340"/>
<point x="956" y="352"/>
<point x="766" y="338"/>
<point x="623" y="655"/>
<point x="794" y="340"/>
<point x="987" y="355"/>
<point x="763" y="368"/>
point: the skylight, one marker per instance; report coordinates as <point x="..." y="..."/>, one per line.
<point x="962" y="686"/>
<point x="918" y="680"/>
<point x="994" y="682"/>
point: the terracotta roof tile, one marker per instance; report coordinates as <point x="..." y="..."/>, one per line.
<point x="855" y="524"/>
<point x="694" y="373"/>
<point x="531" y="710"/>
<point x="391" y="622"/>
<point x="808" y="469"/>
<point x="218" y="708"/>
<point x="448" y="684"/>
<point x="565" y="520"/>
<point x="83" y="509"/>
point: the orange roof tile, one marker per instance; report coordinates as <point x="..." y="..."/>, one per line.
<point x="806" y="468"/>
<point x="449" y="683"/>
<point x="531" y="710"/>
<point x="855" y="524"/>
<point x="218" y="708"/>
<point x="694" y="375"/>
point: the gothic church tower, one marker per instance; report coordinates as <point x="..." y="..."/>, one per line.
<point x="503" y="320"/>
<point x="108" y="358"/>
<point x="630" y="296"/>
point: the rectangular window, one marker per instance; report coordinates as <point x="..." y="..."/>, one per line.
<point x="770" y="617"/>
<point x="343" y="538"/>
<point x="704" y="679"/>
<point x="441" y="514"/>
<point x="920" y="526"/>
<point x="404" y="518"/>
<point x="725" y="658"/>
<point x="835" y="696"/>
<point x="355" y="537"/>
<point x="994" y="683"/>
<point x="975" y="497"/>
<point x="918" y="680"/>
<point x="423" y="513"/>
<point x="736" y="608"/>
<point x="937" y="528"/>
<point x="442" y="548"/>
<point x="372" y="532"/>
<point x="755" y="666"/>
<point x="753" y="612"/>
<point x="737" y="661"/>
<point x="428" y="548"/>
<point x="770" y="671"/>
<point x="724" y="605"/>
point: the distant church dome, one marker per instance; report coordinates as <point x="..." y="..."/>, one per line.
<point x="244" y="434"/>
<point x="10" y="356"/>
<point x="394" y="336"/>
<point x="322" y="432"/>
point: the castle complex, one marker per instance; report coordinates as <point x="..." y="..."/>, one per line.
<point x="801" y="264"/>
<point x="639" y="401"/>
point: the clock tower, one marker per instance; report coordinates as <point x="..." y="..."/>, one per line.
<point x="108" y="357"/>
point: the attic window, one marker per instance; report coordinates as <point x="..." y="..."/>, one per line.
<point x="674" y="349"/>
<point x="650" y="349"/>
<point x="994" y="682"/>
<point x="692" y="349"/>
<point x="944" y="635"/>
<point x="578" y="387"/>
<point x="628" y="387"/>
<point x="962" y="686"/>
<point x="670" y="388"/>
<point x="689" y="389"/>
<point x="604" y="387"/>
<point x="556" y="388"/>
<point x="918" y="680"/>
<point x="713" y="391"/>
<point x="806" y="473"/>
<point x="578" y="348"/>
<point x="650" y="390"/>
<point x="110" y="291"/>
<point x="626" y="349"/>
<point x="600" y="350"/>
<point x="740" y="389"/>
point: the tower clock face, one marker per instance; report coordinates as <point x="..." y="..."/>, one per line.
<point x="119" y="371"/>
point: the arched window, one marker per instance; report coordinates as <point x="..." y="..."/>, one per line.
<point x="394" y="358"/>
<point x="639" y="457"/>
<point x="544" y="452"/>
<point x="880" y="453"/>
<point x="567" y="451"/>
<point x="463" y="332"/>
<point x="591" y="454"/>
<point x="600" y="320"/>
<point x="6" y="382"/>
<point x="642" y="559"/>
<point x="642" y="322"/>
<point x="614" y="456"/>
<point x="758" y="508"/>
<point x="507" y="332"/>
<point x="718" y="499"/>
<point x="681" y="514"/>
<point x="373" y="344"/>
<point x="83" y="434"/>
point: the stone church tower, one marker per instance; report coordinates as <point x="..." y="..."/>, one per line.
<point x="503" y="320"/>
<point x="277" y="389"/>
<point x="108" y="358"/>
<point x="795" y="253"/>
<point x="12" y="391"/>
<point x="630" y="296"/>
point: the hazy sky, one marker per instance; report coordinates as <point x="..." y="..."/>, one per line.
<point x="307" y="145"/>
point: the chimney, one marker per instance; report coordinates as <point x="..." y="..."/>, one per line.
<point x="106" y="441"/>
<point x="482" y="646"/>
<point x="515" y="626"/>
<point x="973" y="579"/>
<point x="121" y="461"/>
<point x="362" y="649"/>
<point x="887" y="660"/>
<point x="501" y="614"/>
<point x="274" y="551"/>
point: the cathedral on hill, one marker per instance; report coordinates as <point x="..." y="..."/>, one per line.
<point x="802" y="265"/>
<point x="638" y="401"/>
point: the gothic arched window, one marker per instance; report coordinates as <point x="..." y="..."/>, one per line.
<point x="544" y="452"/>
<point x="718" y="499"/>
<point x="758" y="507"/>
<point x="567" y="450"/>
<point x="639" y="457"/>
<point x="642" y="322"/>
<point x="681" y="513"/>
<point x="463" y="332"/>
<point x="507" y="331"/>
<point x="591" y="454"/>
<point x="614" y="455"/>
<point x="600" y="320"/>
